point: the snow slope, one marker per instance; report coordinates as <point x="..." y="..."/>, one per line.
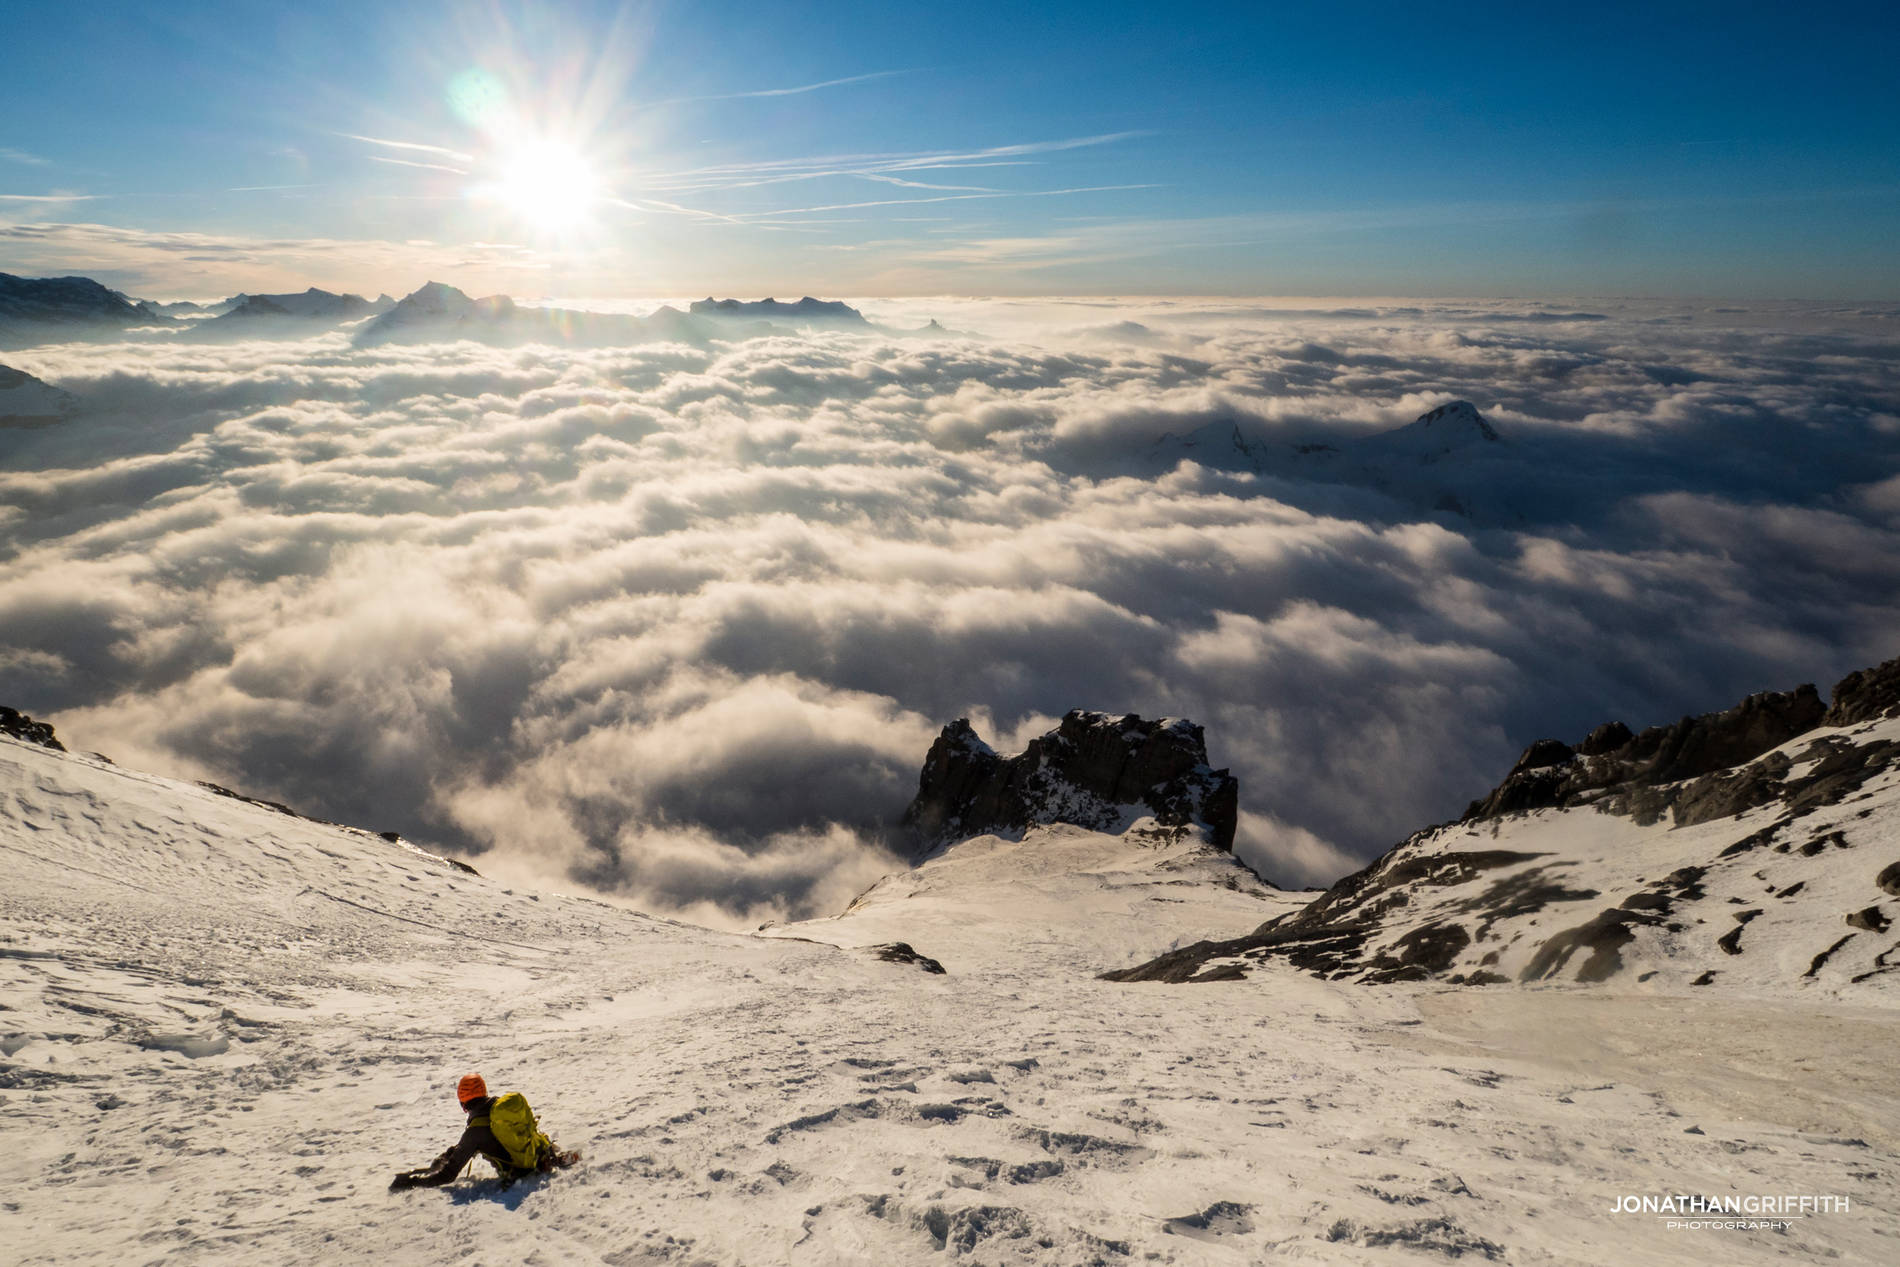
<point x="225" y="1027"/>
<point x="1061" y="900"/>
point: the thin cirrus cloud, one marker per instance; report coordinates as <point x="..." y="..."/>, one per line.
<point x="677" y="621"/>
<point x="409" y="162"/>
<point x="785" y="92"/>
<point x="772" y="171"/>
<point x="417" y="147"/>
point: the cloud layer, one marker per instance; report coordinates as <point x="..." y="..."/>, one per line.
<point x="678" y="623"/>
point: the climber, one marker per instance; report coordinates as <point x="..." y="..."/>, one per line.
<point x="502" y="1129"/>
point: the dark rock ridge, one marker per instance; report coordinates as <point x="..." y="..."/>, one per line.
<point x="66" y="301"/>
<point x="1092" y="770"/>
<point x="805" y="310"/>
<point x="1451" y="899"/>
<point x="1866" y="694"/>
<point x="1553" y="775"/>
<point x="1689" y="769"/>
<point x="19" y="726"/>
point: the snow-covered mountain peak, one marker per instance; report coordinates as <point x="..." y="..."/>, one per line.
<point x="438" y="310"/>
<point x="434" y="298"/>
<point x="1458" y="417"/>
<point x="1435" y="435"/>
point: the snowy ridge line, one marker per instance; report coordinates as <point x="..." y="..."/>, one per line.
<point x="1729" y="848"/>
<point x="21" y="728"/>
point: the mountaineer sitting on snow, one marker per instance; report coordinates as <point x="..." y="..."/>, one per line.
<point x="501" y="1128"/>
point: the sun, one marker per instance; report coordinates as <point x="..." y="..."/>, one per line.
<point x="548" y="184"/>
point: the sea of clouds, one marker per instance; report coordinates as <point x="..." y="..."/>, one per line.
<point x="677" y="622"/>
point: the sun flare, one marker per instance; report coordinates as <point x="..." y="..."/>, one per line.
<point x="550" y="185"/>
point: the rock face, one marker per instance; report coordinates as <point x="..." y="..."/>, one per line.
<point x="1865" y="695"/>
<point x="19" y="726"/>
<point x="1094" y="770"/>
<point x="901" y="952"/>
<point x="1553" y="775"/>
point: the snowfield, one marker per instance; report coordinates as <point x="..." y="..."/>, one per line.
<point x="225" y="1028"/>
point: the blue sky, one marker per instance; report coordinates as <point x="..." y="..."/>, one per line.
<point x="608" y="149"/>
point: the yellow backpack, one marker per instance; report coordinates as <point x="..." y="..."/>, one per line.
<point x="513" y="1124"/>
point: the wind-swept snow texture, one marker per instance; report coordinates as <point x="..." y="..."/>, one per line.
<point x="225" y="1027"/>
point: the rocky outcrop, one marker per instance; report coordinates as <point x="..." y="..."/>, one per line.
<point x="1553" y="775"/>
<point x="901" y="952"/>
<point x="1094" y="770"/>
<point x="1443" y="906"/>
<point x="18" y="725"/>
<point x="1865" y="695"/>
<point x="1698" y="769"/>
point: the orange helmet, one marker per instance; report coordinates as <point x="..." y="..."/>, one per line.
<point x="471" y="1087"/>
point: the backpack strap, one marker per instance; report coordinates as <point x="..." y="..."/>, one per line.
<point x="504" y="1165"/>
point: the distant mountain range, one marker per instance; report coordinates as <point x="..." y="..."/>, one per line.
<point x="49" y="309"/>
<point x="66" y="302"/>
<point x="807" y="311"/>
<point x="310" y="305"/>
